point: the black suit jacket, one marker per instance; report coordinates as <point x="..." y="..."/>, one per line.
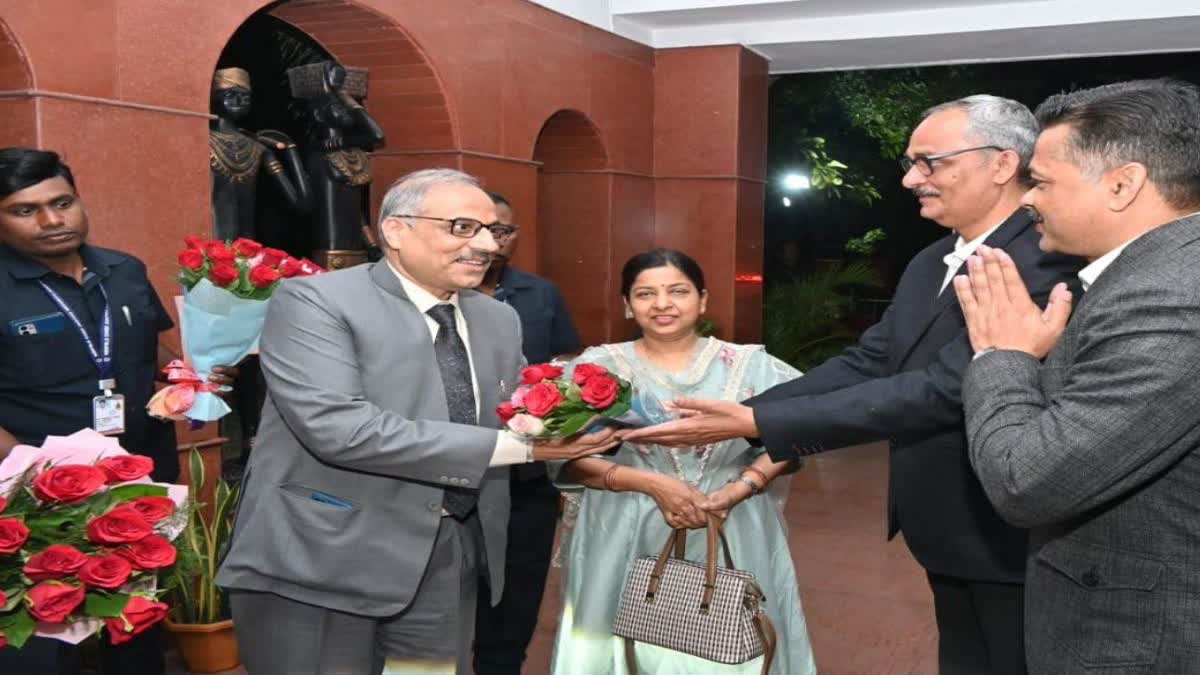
<point x="903" y="382"/>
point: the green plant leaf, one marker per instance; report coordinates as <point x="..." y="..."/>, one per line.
<point x="13" y="596"/>
<point x="571" y="424"/>
<point x="105" y="605"/>
<point x="17" y="627"/>
<point x="135" y="490"/>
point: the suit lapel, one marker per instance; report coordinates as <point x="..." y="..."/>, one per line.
<point x="927" y="312"/>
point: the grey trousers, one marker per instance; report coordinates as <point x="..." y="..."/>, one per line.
<point x="279" y="636"/>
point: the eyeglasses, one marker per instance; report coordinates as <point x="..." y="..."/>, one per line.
<point x="924" y="163"/>
<point x="468" y="227"/>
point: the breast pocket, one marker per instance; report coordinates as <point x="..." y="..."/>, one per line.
<point x="42" y="360"/>
<point x="136" y="334"/>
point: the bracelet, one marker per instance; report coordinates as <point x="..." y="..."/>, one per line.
<point x="608" y="475"/>
<point x="761" y="475"/>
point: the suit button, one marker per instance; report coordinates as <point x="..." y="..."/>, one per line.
<point x="444" y="479"/>
<point x="1090" y="579"/>
<point x="434" y="506"/>
<point x="464" y="481"/>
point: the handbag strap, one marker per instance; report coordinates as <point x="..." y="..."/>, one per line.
<point x="677" y="540"/>
<point x="762" y="626"/>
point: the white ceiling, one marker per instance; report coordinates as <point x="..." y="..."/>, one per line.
<point x="809" y="35"/>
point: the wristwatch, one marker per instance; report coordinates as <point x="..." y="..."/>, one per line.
<point x="748" y="481"/>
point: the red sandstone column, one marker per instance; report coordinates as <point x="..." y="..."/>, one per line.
<point x="710" y="121"/>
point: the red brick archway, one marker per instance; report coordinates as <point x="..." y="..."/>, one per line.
<point x="574" y="189"/>
<point x="406" y="95"/>
<point x="18" y="125"/>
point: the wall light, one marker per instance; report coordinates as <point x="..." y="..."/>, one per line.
<point x="794" y="182"/>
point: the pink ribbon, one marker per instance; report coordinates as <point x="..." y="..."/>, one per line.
<point x="185" y="384"/>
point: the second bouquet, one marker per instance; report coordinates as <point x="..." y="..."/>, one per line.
<point x="226" y="288"/>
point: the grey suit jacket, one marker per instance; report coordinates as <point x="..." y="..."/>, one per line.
<point x="343" y="493"/>
<point x="1097" y="451"/>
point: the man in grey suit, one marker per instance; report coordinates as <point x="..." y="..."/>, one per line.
<point x="378" y="492"/>
<point x="1096" y="449"/>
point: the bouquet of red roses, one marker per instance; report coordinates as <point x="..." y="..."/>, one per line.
<point x="83" y="533"/>
<point x="226" y="287"/>
<point x="546" y="404"/>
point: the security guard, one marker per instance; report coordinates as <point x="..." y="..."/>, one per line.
<point x="79" y="348"/>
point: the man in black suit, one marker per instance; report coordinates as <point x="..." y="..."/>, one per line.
<point x="966" y="162"/>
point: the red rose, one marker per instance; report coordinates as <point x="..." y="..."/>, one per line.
<point x="543" y="371"/>
<point x="109" y="572"/>
<point x="13" y="534"/>
<point x="119" y="526"/>
<point x="290" y="267"/>
<point x="505" y="412"/>
<point x="191" y="259"/>
<point x="124" y="468"/>
<point x="53" y="601"/>
<point x="149" y="553"/>
<point x="3" y="642"/>
<point x="217" y="251"/>
<point x="68" y="483"/>
<point x="223" y="274"/>
<point x="3" y="602"/>
<point x="138" y="615"/>
<point x="600" y="391"/>
<point x="195" y="242"/>
<point x="584" y="372"/>
<point x="263" y="276"/>
<point x="309" y="268"/>
<point x="542" y="399"/>
<point x="273" y="256"/>
<point x="247" y="248"/>
<point x="54" y="562"/>
<point x="153" y="509"/>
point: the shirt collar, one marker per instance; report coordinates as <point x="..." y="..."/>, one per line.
<point x="423" y="299"/>
<point x="964" y="249"/>
<point x="1089" y="274"/>
<point x="96" y="261"/>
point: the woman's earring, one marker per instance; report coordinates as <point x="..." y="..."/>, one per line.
<point x="628" y="313"/>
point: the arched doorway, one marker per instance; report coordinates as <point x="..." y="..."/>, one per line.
<point x="18" y="124"/>
<point x="574" y="216"/>
<point x="405" y="96"/>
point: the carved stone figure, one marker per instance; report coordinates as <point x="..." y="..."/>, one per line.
<point x="341" y="134"/>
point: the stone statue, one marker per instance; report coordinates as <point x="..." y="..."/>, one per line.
<point x="341" y="134"/>
<point x="236" y="158"/>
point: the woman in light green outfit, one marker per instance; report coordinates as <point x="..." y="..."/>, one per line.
<point x="632" y="499"/>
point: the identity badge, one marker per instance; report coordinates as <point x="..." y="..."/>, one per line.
<point x="108" y="414"/>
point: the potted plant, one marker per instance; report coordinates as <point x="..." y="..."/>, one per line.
<point x="200" y="620"/>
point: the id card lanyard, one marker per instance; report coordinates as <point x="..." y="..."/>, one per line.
<point x="102" y="358"/>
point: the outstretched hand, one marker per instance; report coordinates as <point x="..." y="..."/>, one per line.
<point x="574" y="447"/>
<point x="999" y="312"/>
<point x="703" y="421"/>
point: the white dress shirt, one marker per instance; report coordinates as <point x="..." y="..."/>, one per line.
<point x="1089" y="274"/>
<point x="962" y="251"/>
<point x="510" y="448"/>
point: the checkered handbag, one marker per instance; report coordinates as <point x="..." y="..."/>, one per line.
<point x="696" y="608"/>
